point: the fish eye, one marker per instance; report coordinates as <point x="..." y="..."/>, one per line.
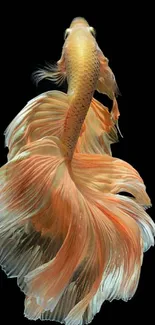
<point x="93" y="31"/>
<point x="67" y="32"/>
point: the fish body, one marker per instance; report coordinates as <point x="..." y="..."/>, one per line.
<point x="66" y="232"/>
<point x="86" y="69"/>
<point x="82" y="70"/>
<point x="82" y="123"/>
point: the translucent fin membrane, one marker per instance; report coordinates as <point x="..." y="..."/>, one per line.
<point x="44" y="116"/>
<point x="23" y="252"/>
<point x="70" y="253"/>
<point x="52" y="72"/>
<point x="107" y="83"/>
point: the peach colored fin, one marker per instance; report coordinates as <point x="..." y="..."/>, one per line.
<point x="26" y="242"/>
<point x="44" y="116"/>
<point x="66" y="303"/>
<point x="107" y="83"/>
<point x="64" y="233"/>
<point x="115" y="115"/>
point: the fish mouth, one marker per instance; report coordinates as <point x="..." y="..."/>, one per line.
<point x="79" y="21"/>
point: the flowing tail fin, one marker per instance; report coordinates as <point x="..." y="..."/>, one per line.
<point x="67" y="235"/>
<point x="44" y="116"/>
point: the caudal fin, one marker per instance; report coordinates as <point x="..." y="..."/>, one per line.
<point x="65" y="232"/>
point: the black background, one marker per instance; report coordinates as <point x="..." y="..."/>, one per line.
<point x="31" y="36"/>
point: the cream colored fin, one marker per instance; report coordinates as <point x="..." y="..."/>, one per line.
<point x="88" y="245"/>
<point x="42" y="116"/>
<point x="53" y="72"/>
<point x="107" y="83"/>
<point x="27" y="235"/>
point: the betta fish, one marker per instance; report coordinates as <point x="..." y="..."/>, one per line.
<point x="67" y="233"/>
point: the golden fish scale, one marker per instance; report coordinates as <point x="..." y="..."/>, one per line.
<point x="82" y="67"/>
